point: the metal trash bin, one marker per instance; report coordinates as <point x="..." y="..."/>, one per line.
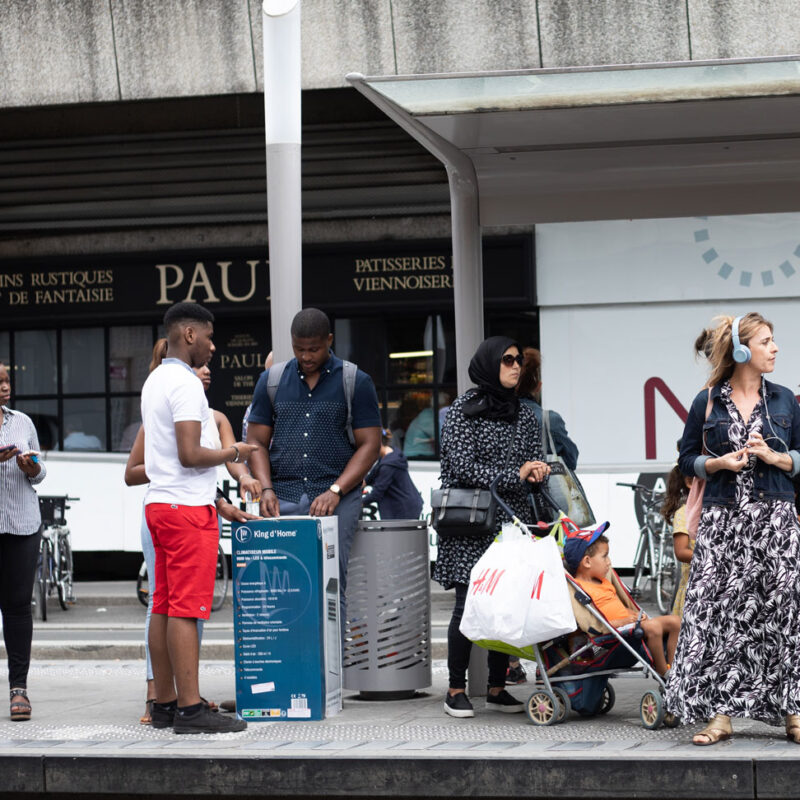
<point x="387" y="648"/>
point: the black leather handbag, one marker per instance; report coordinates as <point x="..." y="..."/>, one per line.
<point x="466" y="512"/>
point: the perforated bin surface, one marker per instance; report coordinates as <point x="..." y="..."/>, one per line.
<point x="388" y="631"/>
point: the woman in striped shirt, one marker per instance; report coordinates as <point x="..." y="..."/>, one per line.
<point x="20" y="522"/>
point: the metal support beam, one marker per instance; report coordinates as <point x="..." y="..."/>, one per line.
<point x="466" y="228"/>
<point x="282" y="124"/>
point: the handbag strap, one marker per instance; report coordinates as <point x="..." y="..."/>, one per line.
<point x="708" y="411"/>
<point x="549" y="444"/>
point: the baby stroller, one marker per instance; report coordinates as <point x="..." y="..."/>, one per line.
<point x="573" y="671"/>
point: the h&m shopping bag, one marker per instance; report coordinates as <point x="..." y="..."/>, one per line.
<point x="518" y="594"/>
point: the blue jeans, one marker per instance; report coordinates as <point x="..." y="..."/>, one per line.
<point x="149" y="553"/>
<point x="348" y="512"/>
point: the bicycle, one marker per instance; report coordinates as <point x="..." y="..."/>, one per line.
<point x="655" y="560"/>
<point x="54" y="569"/>
<point x="221" y="581"/>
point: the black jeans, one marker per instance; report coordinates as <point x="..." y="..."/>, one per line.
<point x="459" y="649"/>
<point x="18" y="557"/>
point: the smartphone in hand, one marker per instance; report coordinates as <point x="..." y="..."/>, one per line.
<point x="6" y="447"/>
<point x="33" y="454"/>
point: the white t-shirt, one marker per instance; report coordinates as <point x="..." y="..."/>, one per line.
<point x="173" y="393"/>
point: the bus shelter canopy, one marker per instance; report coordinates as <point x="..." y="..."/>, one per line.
<point x="653" y="140"/>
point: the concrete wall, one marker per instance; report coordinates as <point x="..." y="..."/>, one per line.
<point x="75" y="51"/>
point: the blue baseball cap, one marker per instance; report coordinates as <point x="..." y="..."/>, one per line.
<point x="578" y="542"/>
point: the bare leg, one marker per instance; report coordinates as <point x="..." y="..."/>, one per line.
<point x="184" y="657"/>
<point x="672" y="626"/>
<point x="654" y="636"/>
<point x="159" y="656"/>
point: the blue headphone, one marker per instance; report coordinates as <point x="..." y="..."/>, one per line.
<point x="741" y="352"/>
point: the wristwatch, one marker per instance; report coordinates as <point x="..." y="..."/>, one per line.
<point x="336" y="489"/>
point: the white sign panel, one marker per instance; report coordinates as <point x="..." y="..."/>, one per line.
<point x="661" y="260"/>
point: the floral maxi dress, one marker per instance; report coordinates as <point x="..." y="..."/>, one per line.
<point x="739" y="647"/>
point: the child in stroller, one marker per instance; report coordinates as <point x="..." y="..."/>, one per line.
<point x="586" y="557"/>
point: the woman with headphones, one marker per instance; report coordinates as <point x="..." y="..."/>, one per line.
<point x="738" y="653"/>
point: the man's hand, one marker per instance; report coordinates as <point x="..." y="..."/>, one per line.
<point x="249" y="484"/>
<point x="6" y="455"/>
<point x="229" y="512"/>
<point x="325" y="504"/>
<point x="26" y="463"/>
<point x="270" y="507"/>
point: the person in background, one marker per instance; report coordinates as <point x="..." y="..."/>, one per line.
<point x="674" y="512"/>
<point x="392" y="487"/>
<point x="529" y="392"/>
<point x="487" y="433"/>
<point x="20" y="533"/>
<point x="135" y="475"/>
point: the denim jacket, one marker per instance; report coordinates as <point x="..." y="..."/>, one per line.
<point x="770" y="483"/>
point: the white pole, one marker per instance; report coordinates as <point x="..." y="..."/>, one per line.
<point x="281" y="21"/>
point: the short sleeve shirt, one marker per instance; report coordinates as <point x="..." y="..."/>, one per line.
<point x="310" y="447"/>
<point x="605" y="598"/>
<point x="173" y="393"/>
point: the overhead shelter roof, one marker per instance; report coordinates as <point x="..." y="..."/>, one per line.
<point x="651" y="140"/>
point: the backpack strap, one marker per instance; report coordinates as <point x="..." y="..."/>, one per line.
<point x="273" y="380"/>
<point x="349" y="371"/>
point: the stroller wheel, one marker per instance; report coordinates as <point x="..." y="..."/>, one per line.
<point x="651" y="709"/>
<point x="543" y="708"/>
<point x="564" y="703"/>
<point x="609" y="698"/>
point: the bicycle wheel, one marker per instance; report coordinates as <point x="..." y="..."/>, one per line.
<point x="221" y="581"/>
<point x="43" y="578"/>
<point x="143" y="585"/>
<point x="64" y="587"/>
<point x="666" y="579"/>
<point x="642" y="567"/>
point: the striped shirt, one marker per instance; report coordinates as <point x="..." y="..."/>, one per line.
<point x="19" y="503"/>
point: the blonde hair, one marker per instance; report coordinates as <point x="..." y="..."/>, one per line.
<point x="721" y="356"/>
<point x="159" y="353"/>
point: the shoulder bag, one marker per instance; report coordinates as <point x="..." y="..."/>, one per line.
<point x="563" y="484"/>
<point x="694" y="502"/>
<point x="466" y="512"/>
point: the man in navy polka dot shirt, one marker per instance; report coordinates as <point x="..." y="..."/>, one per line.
<point x="307" y="464"/>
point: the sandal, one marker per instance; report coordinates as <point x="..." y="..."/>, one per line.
<point x="718" y="730"/>
<point x="20" y="709"/>
<point x="793" y="728"/>
<point x="147" y="717"/>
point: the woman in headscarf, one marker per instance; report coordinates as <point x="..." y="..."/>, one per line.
<point x="487" y="433"/>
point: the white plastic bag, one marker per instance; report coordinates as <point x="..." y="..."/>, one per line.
<point x="518" y="594"/>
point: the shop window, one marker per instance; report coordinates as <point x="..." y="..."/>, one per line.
<point x="126" y="419"/>
<point x="44" y="415"/>
<point x="130" y="349"/>
<point x="85" y="424"/>
<point x="83" y="360"/>
<point x="5" y="348"/>
<point x="35" y="363"/>
<point x="361" y="341"/>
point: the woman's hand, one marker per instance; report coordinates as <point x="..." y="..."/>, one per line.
<point x="6" y="455"/>
<point x="249" y="484"/>
<point x="534" y="471"/>
<point x="759" y="448"/>
<point x="229" y="512"/>
<point x="735" y="461"/>
<point x="26" y="463"/>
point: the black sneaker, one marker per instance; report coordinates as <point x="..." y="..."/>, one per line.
<point x="504" y="702"/>
<point x="206" y="721"/>
<point x="163" y="714"/>
<point x="515" y="675"/>
<point x="458" y="705"/>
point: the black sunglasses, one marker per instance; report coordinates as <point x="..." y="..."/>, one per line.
<point x="510" y="360"/>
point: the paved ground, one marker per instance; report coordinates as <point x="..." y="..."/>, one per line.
<point x="85" y="738"/>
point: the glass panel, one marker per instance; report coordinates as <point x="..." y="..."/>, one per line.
<point x="5" y="347"/>
<point x="130" y="350"/>
<point x="531" y="89"/>
<point x="85" y="424"/>
<point x="83" y="360"/>
<point x="44" y="414"/>
<point x="411" y="344"/>
<point x="445" y="397"/>
<point x="35" y="362"/>
<point x="361" y="341"/>
<point x="126" y="419"/>
<point x="411" y="421"/>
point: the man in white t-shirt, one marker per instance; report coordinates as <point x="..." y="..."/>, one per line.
<point x="180" y="460"/>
